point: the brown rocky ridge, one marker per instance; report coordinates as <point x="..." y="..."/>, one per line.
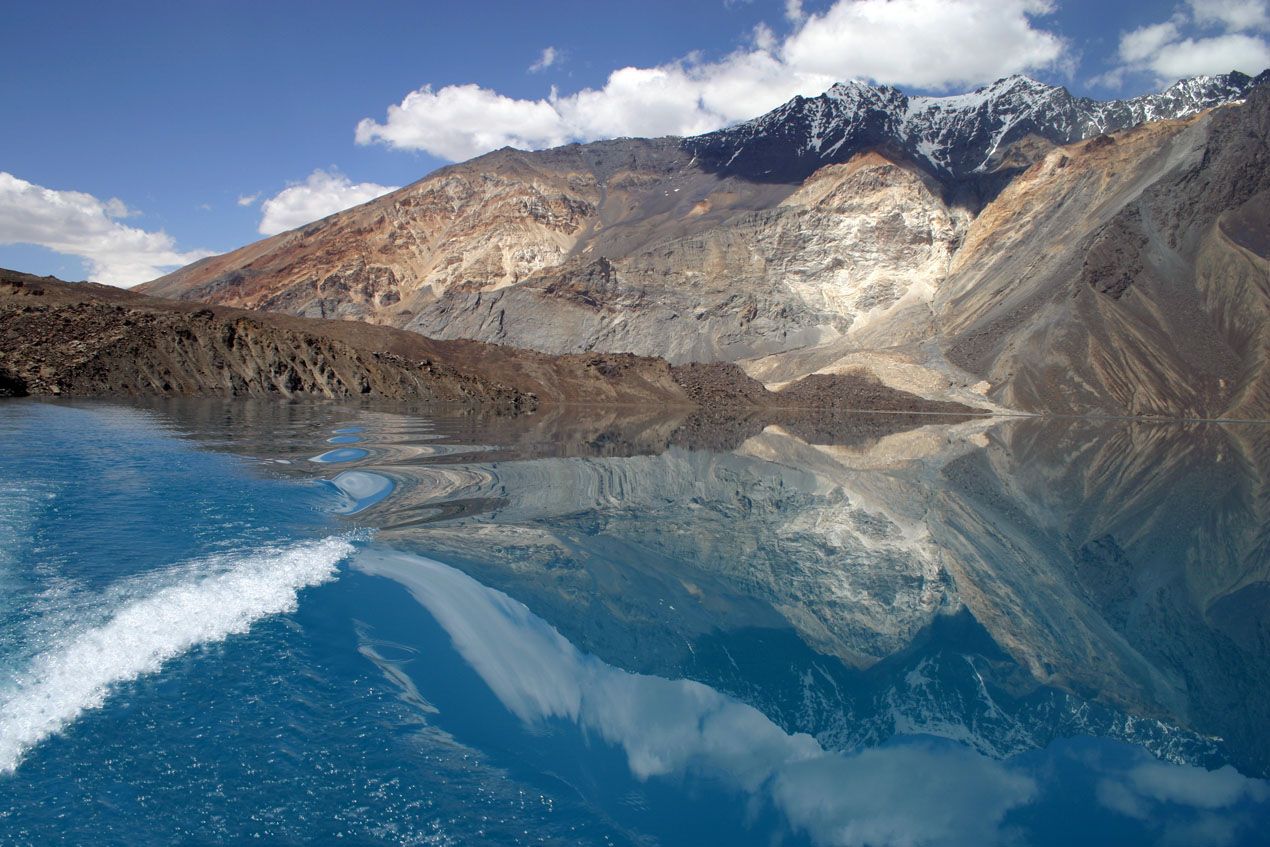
<point x="82" y="339"/>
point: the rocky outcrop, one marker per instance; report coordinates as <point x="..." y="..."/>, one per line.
<point x="949" y="247"/>
<point x="760" y="282"/>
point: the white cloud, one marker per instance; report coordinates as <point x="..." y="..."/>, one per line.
<point x="1219" y="54"/>
<point x="1143" y="43"/>
<point x="248" y="199"/>
<point x="794" y="11"/>
<point x="323" y="193"/>
<point x="1202" y="37"/>
<point x="546" y="60"/>
<point x="460" y="121"/>
<point x="1232" y="15"/>
<point x="763" y="38"/>
<point x="81" y="225"/>
<point x="926" y="44"/>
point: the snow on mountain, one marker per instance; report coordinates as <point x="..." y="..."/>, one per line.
<point x="956" y="136"/>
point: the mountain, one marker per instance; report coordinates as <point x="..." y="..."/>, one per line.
<point x="954" y="137"/>
<point x="1012" y="248"/>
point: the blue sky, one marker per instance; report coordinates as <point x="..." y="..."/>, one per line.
<point x="134" y="129"/>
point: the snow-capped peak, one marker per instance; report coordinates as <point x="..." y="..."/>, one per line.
<point x="955" y="135"/>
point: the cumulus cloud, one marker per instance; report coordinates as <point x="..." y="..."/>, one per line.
<point x="546" y="60"/>
<point x="461" y="121"/>
<point x="1219" y="54"/>
<point x="925" y="44"/>
<point x="1201" y="37"/>
<point x="1144" y="43"/>
<point x="323" y="193"/>
<point x="81" y="225"/>
<point x="1236" y="15"/>
<point x="248" y="199"/>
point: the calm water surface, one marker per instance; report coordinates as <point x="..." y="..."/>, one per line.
<point x="391" y="625"/>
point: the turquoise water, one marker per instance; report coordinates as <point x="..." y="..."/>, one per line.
<point x="390" y="625"/>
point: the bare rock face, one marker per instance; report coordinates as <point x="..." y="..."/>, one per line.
<point x="857" y="241"/>
<point x="1010" y="248"/>
<point x="376" y="262"/>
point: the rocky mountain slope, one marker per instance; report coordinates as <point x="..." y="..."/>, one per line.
<point x="81" y="339"/>
<point x="1015" y="247"/>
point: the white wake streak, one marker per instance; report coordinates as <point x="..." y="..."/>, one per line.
<point x="77" y="672"/>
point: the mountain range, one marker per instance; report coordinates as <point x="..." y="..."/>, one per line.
<point x="1012" y="248"/>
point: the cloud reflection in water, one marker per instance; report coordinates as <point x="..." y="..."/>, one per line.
<point x="922" y="792"/>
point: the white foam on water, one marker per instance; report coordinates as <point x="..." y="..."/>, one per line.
<point x="213" y="600"/>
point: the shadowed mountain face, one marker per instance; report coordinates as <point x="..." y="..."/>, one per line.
<point x="1013" y="246"/>
<point x="999" y="584"/>
<point x="961" y="138"/>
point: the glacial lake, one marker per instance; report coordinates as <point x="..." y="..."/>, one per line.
<point x="325" y="623"/>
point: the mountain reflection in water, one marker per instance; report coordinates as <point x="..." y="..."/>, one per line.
<point x="888" y="630"/>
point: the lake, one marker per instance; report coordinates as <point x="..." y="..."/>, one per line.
<point x="311" y="622"/>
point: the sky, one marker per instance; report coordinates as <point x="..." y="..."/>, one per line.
<point x="140" y="136"/>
